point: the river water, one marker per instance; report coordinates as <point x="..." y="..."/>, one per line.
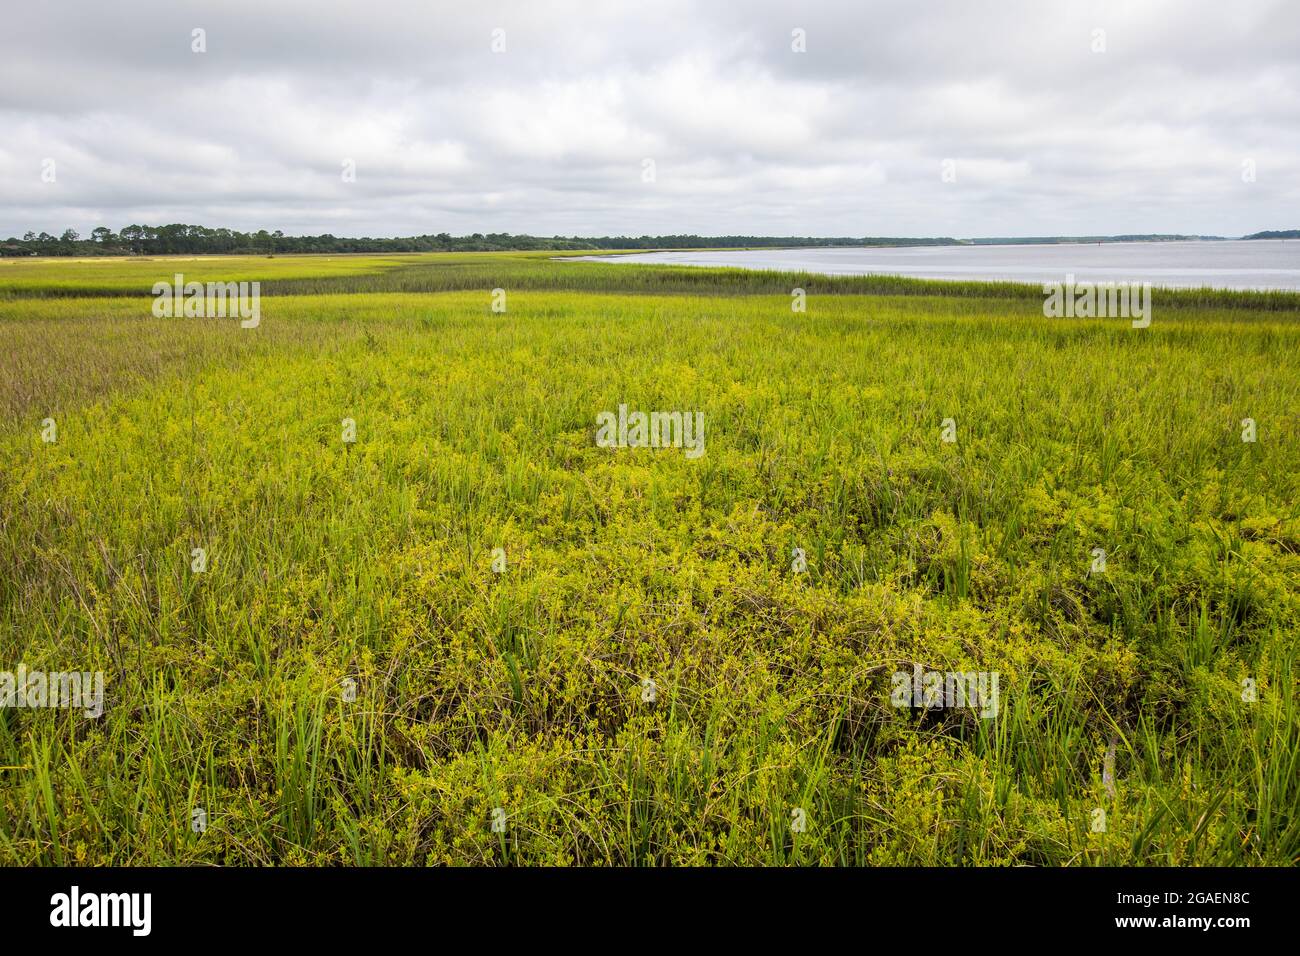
<point x="1239" y="264"/>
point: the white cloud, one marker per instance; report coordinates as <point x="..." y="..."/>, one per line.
<point x="747" y="135"/>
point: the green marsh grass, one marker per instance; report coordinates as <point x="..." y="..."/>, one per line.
<point x="523" y="690"/>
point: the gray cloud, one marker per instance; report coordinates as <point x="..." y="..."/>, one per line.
<point x="747" y="136"/>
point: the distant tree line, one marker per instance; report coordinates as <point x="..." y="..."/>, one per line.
<point x="179" y="238"/>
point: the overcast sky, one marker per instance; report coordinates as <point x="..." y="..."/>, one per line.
<point x="747" y="136"/>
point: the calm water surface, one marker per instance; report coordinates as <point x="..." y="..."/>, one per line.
<point x="1256" y="264"/>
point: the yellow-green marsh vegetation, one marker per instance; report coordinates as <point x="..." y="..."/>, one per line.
<point x="472" y="635"/>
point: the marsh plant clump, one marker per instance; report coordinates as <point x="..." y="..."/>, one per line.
<point x="366" y="587"/>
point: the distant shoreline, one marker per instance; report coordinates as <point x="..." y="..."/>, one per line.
<point x="182" y="239"/>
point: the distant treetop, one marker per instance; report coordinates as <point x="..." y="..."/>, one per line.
<point x="179" y="238"/>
